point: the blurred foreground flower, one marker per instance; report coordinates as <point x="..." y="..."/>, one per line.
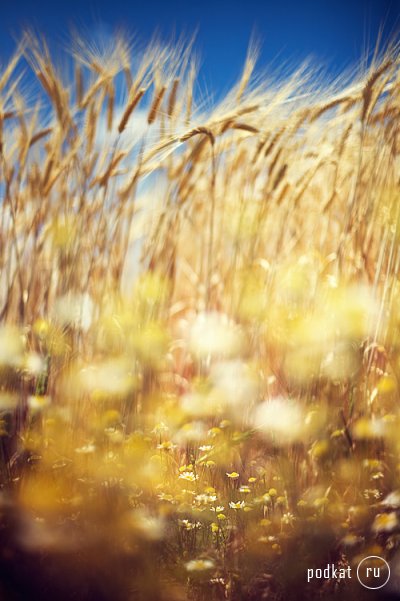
<point x="11" y="347"/>
<point x="75" y="310"/>
<point x="281" y="419"/>
<point x="150" y="527"/>
<point x="214" y="335"/>
<point x="109" y="377"/>
<point x="235" y="384"/>
<point x="385" y="522"/>
<point x="200" y="565"/>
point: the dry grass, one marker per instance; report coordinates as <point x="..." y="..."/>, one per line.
<point x="199" y="348"/>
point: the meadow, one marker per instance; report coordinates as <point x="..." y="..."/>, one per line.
<point x="200" y="326"/>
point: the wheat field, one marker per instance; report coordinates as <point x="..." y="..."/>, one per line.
<point x="200" y="326"/>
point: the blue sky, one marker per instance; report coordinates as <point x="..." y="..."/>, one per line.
<point x="334" y="32"/>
